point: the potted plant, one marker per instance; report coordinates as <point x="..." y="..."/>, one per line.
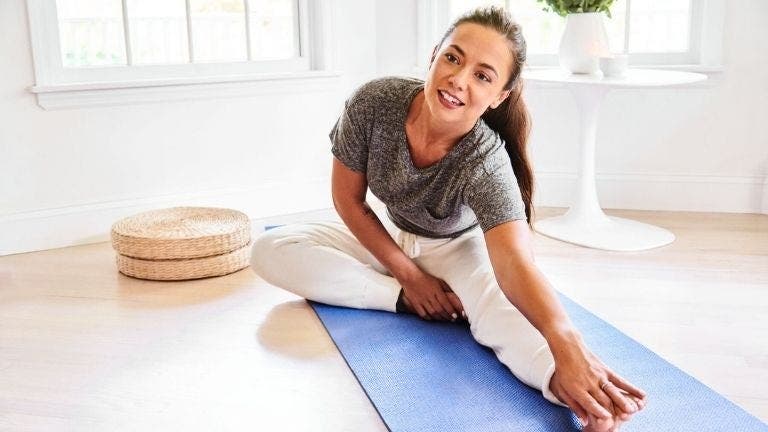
<point x="584" y="40"/>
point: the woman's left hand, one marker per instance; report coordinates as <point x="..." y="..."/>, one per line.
<point x="600" y="398"/>
<point x="611" y="425"/>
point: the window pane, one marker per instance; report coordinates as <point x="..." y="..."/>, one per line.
<point x="218" y="30"/>
<point x="659" y="25"/>
<point x="158" y="30"/>
<point x="91" y="32"/>
<point x="542" y="30"/>
<point x="616" y="26"/>
<point x="273" y="25"/>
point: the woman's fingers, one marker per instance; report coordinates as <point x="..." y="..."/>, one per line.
<point x="619" y="398"/>
<point x="580" y="412"/>
<point x="592" y="406"/>
<point x="452" y="304"/>
<point x="420" y="310"/>
<point x="454" y="299"/>
<point x="604" y="400"/>
<point x="435" y="310"/>
<point x="432" y="311"/>
<point x="638" y="401"/>
<point x="447" y="309"/>
<point x="428" y="297"/>
<point x="602" y="425"/>
<point x="625" y="385"/>
<point x="438" y="304"/>
<point x="610" y="423"/>
<point x="427" y="310"/>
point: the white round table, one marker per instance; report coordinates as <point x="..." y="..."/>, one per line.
<point x="585" y="223"/>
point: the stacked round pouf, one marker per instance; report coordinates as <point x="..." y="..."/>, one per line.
<point x="182" y="243"/>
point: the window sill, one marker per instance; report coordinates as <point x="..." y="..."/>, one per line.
<point x="90" y="94"/>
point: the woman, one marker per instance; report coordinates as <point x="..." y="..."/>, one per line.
<point x="448" y="158"/>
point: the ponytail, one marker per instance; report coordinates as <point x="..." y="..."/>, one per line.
<point x="512" y="122"/>
<point x="510" y="119"/>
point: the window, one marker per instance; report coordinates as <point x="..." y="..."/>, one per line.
<point x="93" y="32"/>
<point x="87" y="45"/>
<point x="682" y="33"/>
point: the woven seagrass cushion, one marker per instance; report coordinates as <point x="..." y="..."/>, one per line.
<point x="182" y="243"/>
<point x="182" y="269"/>
<point x="181" y="232"/>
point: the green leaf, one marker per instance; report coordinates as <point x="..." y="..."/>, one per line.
<point x="565" y="7"/>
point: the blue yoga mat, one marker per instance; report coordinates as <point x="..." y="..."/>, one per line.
<point x="433" y="376"/>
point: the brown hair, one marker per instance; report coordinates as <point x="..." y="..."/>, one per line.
<point x="510" y="119"/>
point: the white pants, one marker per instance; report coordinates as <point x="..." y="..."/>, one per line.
<point x="324" y="262"/>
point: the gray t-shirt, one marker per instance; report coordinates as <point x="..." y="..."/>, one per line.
<point x="474" y="183"/>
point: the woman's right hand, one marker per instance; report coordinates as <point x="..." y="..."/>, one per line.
<point x="431" y="297"/>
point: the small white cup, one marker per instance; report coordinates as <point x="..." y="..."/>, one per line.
<point x="614" y="65"/>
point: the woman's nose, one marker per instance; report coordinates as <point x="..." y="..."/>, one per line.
<point x="459" y="79"/>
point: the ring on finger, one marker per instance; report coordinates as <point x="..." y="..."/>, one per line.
<point x="604" y="385"/>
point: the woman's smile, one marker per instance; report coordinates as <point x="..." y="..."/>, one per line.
<point x="448" y="100"/>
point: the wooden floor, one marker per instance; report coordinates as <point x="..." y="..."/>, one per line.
<point x="83" y="347"/>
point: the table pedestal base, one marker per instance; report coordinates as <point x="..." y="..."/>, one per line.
<point x="607" y="233"/>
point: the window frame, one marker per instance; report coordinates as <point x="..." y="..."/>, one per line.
<point x="59" y="87"/>
<point x="704" y="53"/>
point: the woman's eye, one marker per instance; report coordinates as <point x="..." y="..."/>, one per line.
<point x="483" y="77"/>
<point x="451" y="58"/>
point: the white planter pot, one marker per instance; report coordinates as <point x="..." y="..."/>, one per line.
<point x="584" y="41"/>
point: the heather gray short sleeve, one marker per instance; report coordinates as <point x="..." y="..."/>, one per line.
<point x="494" y="196"/>
<point x="350" y="133"/>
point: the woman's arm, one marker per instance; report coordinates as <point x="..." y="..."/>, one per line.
<point x="580" y="374"/>
<point x="424" y="292"/>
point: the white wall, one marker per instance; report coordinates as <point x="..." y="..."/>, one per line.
<point x="703" y="148"/>
<point x="66" y="175"/>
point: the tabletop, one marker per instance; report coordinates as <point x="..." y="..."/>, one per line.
<point x="632" y="78"/>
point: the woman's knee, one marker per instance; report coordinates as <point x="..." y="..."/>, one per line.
<point x="263" y="256"/>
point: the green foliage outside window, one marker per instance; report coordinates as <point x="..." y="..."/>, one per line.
<point x="565" y="7"/>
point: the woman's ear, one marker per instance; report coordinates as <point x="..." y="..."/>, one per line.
<point x="503" y="95"/>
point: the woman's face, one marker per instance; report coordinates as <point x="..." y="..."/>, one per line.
<point x="468" y="73"/>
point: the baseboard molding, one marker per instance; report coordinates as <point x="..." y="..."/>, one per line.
<point x="764" y="209"/>
<point x="91" y="223"/>
<point x="677" y="192"/>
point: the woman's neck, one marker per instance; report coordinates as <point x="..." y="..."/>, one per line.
<point x="429" y="131"/>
